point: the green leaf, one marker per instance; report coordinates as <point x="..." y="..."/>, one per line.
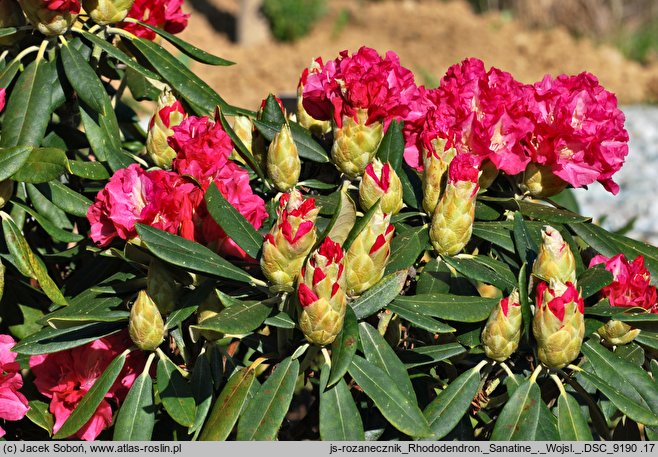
<point x="49" y="340"/>
<point x="7" y="73"/>
<point x="485" y="269"/>
<point x="412" y="191"/>
<point x="379" y="295"/>
<point x="94" y="396"/>
<point x="27" y="112"/>
<point x="188" y="254"/>
<point x="175" y="393"/>
<point x="406" y="247"/>
<point x="41" y="197"/>
<point x="40" y="416"/>
<point x="343" y="220"/>
<point x="136" y="418"/>
<point x="339" y="416"/>
<point x="525" y="245"/>
<point x="307" y="147"/>
<point x="380" y="354"/>
<point x="83" y="79"/>
<point x="12" y="159"/>
<point x="280" y="320"/>
<point x="43" y="165"/>
<point x="429" y="355"/>
<point x="450" y="307"/>
<point x="359" y="226"/>
<point x="396" y="407"/>
<point x="31" y="319"/>
<point x="69" y="200"/>
<point x="202" y="98"/>
<point x="549" y="213"/>
<point x="498" y="233"/>
<point x="316" y="184"/>
<point x="237" y="319"/>
<point x="228" y="406"/>
<point x="572" y="425"/>
<point x="202" y="390"/>
<point x="597" y="238"/>
<point x="344" y="347"/>
<point x="89" y="170"/>
<point x="524" y="299"/>
<point x="519" y="419"/>
<point x="593" y="279"/>
<point x="391" y="148"/>
<point x="188" y="49"/>
<point x="232" y="222"/>
<point x="103" y="134"/>
<point x="272" y="111"/>
<point x="265" y="412"/>
<point x="53" y="230"/>
<point x="420" y="320"/>
<point x="648" y="339"/>
<point x="434" y="278"/>
<point x="88" y="311"/>
<point x="451" y="404"/>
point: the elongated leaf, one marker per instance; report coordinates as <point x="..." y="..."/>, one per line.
<point x="597" y="238"/>
<point x="307" y="147"/>
<point x="188" y="254"/>
<point x="8" y="73"/>
<point x="49" y="340"/>
<point x="175" y="393"/>
<point x="428" y="355"/>
<point x="89" y="170"/>
<point x="53" y="230"/>
<point x="380" y="354"/>
<point x="525" y="245"/>
<point x="280" y="320"/>
<point x="391" y="148"/>
<point x="228" y="406"/>
<point x="420" y="320"/>
<point x="447" y="306"/>
<point x="69" y="200"/>
<point x="592" y="280"/>
<point x="379" y="295"/>
<point x="39" y="415"/>
<point x="88" y="311"/>
<point x="17" y="245"/>
<point x="399" y="410"/>
<point x="136" y="418"/>
<point x="342" y="221"/>
<point x="339" y="416"/>
<point x="87" y="406"/>
<point x="485" y="269"/>
<point x="12" y="159"/>
<point x="434" y="278"/>
<point x="272" y="111"/>
<point x="451" y="404"/>
<point x="265" y="412"/>
<point x="412" y="188"/>
<point x="549" y="213"/>
<point x="28" y="109"/>
<point x="232" y="222"/>
<point x="406" y="248"/>
<point x="83" y="79"/>
<point x="498" y="233"/>
<point x="572" y="425"/>
<point x="524" y="299"/>
<point x="519" y="419"/>
<point x="41" y="197"/>
<point x="343" y="348"/>
<point x="43" y="165"/>
<point x="102" y="132"/>
<point x="648" y="339"/>
<point x="202" y="390"/>
<point x="236" y="320"/>
<point x="359" y="226"/>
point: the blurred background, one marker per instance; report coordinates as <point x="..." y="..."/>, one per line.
<point x="617" y="40"/>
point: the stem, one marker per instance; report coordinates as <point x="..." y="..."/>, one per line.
<point x="479" y="366"/>
<point x="535" y="374"/>
<point x="559" y="384"/>
<point x="121" y="32"/>
<point x="327" y="358"/>
<point x="42" y="49"/>
<point x="147" y="367"/>
<point x="164" y="358"/>
<point x="25" y="52"/>
<point x="504" y="366"/>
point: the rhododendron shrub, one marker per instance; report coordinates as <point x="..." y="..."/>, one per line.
<point x="388" y="261"/>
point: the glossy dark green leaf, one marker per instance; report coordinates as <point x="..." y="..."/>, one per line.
<point x="52" y="229"/>
<point x="49" y="340"/>
<point x="280" y="320"/>
<point x="632" y="352"/>
<point x="8" y="73"/>
<point x="202" y="390"/>
<point x="406" y="247"/>
<point x="307" y="147"/>
<point x="648" y="339"/>
<point x="412" y="191"/>
<point x="547" y="427"/>
<point x="136" y="418"/>
<point x="434" y="278"/>
<point x="450" y="307"/>
<point x="237" y="319"/>
<point x="380" y="354"/>
<point x="40" y="416"/>
<point x="339" y="417"/>
<point x="420" y="320"/>
<point x="264" y="414"/>
<point x="344" y="347"/>
<point x="103" y="134"/>
<point x="548" y="213"/>
<point x="27" y="112"/>
<point x="40" y="197"/>
<point x="232" y="222"/>
<point x="379" y="295"/>
<point x="519" y="419"/>
<point x="83" y="79"/>
<point x="524" y="299"/>
<point x="69" y="200"/>
<point x="446" y="410"/>
<point x="395" y="406"/>
<point x="359" y="226"/>
<point x="485" y="269"/>
<point x="429" y="355"/>
<point x="12" y="159"/>
<point x="391" y="148"/>
<point x="175" y="393"/>
<point x="188" y="254"/>
<point x="316" y="184"/>
<point x="272" y="111"/>
<point x="597" y="238"/>
<point x="525" y="245"/>
<point x="94" y="396"/>
<point x="572" y="424"/>
<point x="498" y="233"/>
<point x="94" y="309"/>
<point x="592" y="280"/>
<point x="43" y="165"/>
<point x="89" y="170"/>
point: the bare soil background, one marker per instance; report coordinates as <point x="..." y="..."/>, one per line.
<point x="428" y="35"/>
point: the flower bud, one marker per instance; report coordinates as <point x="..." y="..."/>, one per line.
<point x="435" y="165"/>
<point x="290" y="240"/>
<point x="617" y="333"/>
<point x="316" y="127"/>
<point x="453" y="217"/>
<point x="321" y="294"/>
<point x="11" y="15"/>
<point x="540" y="182"/>
<point x="502" y="332"/>
<point x="169" y="113"/>
<point x="367" y="256"/>
<point x="210" y="307"/>
<point x="558" y="324"/>
<point x="488" y="174"/>
<point x="555" y="259"/>
<point x="51" y="17"/>
<point x="381" y="182"/>
<point x="146" y="327"/>
<point x="6" y="191"/>
<point x="107" y="11"/>
<point x="283" y="164"/>
<point x="244" y="129"/>
<point x="161" y="287"/>
<point x="356" y="143"/>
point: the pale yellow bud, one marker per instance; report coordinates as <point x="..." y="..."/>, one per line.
<point x="146" y="327"/>
<point x="355" y="144"/>
<point x="435" y="165"/>
<point x="502" y="332"/>
<point x="168" y="114"/>
<point x="46" y="21"/>
<point x="540" y="182"/>
<point x="283" y="164"/>
<point x="617" y="333"/>
<point x="554" y="261"/>
<point x="107" y="11"/>
<point x="381" y="182"/>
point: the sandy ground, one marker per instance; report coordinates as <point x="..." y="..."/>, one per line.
<point x="429" y="36"/>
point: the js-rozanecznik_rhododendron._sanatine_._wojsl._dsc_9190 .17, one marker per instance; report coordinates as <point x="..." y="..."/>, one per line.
<point x="387" y="261"/>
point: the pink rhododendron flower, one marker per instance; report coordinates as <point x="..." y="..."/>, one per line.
<point x="158" y="198"/>
<point x="65" y="377"/>
<point x="579" y="130"/>
<point x="631" y="285"/>
<point x="13" y="404"/>
<point x="463" y="168"/>
<point x="63" y="6"/>
<point x="2" y="98"/>
<point x="166" y="112"/>
<point x="203" y="148"/>
<point x="164" y="14"/>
